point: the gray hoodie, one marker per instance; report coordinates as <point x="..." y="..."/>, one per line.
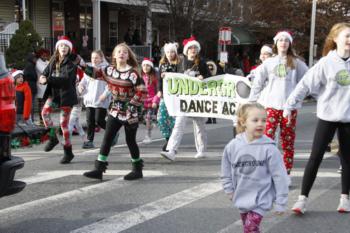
<point x="329" y="79"/>
<point x="255" y="173"/>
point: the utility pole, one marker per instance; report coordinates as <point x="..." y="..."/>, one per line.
<point x="312" y="33"/>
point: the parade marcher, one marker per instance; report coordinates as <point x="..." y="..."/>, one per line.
<point x="213" y="71"/>
<point x="255" y="188"/>
<point x="60" y="77"/>
<point x="151" y="102"/>
<point x="193" y="66"/>
<point x="330" y="79"/>
<point x="274" y="80"/>
<point x="95" y="102"/>
<point x="74" y="119"/>
<point x="23" y="98"/>
<point x="265" y="53"/>
<point x="170" y="62"/>
<point x="128" y="93"/>
<point x="40" y="65"/>
<point x="31" y="77"/>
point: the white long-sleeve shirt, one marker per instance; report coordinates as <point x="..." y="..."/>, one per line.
<point x="274" y="81"/>
<point x="329" y="79"/>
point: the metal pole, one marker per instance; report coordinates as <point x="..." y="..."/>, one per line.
<point x="312" y="33"/>
<point x="24" y="9"/>
<point x="96" y="10"/>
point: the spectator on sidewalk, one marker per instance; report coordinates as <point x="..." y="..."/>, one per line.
<point x="31" y="77"/>
<point x="23" y="98"/>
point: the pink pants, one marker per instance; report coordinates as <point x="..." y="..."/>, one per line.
<point x="64" y="119"/>
<point x="275" y="118"/>
<point x="251" y="222"/>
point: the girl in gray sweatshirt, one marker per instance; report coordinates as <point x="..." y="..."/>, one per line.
<point x="252" y="171"/>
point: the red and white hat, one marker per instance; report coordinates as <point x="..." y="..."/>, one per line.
<point x="171" y="47"/>
<point x="147" y="61"/>
<point x="190" y="42"/>
<point x="16" y="72"/>
<point x="66" y="41"/>
<point x="283" y="34"/>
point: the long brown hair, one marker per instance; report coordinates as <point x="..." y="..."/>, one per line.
<point x="152" y="75"/>
<point x="57" y="59"/>
<point x="242" y="114"/>
<point x="132" y="61"/>
<point x="291" y="55"/>
<point x="165" y="60"/>
<point x="329" y="43"/>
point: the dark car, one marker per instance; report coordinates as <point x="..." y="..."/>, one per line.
<point x="8" y="163"/>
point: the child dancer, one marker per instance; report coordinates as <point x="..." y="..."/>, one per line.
<point x="170" y="62"/>
<point x="60" y="77"/>
<point x="128" y="92"/>
<point x="274" y="80"/>
<point x="151" y="103"/>
<point x="95" y="101"/>
<point x="330" y="79"/>
<point x="252" y="170"/>
<point x="193" y="66"/>
<point x="23" y="98"/>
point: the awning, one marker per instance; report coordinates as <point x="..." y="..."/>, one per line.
<point x="242" y="36"/>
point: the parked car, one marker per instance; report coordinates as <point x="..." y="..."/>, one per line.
<point x="8" y="163"/>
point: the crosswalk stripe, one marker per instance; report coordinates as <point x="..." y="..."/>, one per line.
<point x="270" y="220"/>
<point x="127" y="219"/>
<point x="51" y="175"/>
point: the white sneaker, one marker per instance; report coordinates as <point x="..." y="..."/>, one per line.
<point x="170" y="155"/>
<point x="300" y="206"/>
<point x="200" y="155"/>
<point x="344" y="204"/>
<point x="147" y="140"/>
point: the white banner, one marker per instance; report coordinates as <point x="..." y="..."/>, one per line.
<point x="217" y="96"/>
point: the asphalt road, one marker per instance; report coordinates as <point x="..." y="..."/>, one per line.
<point x="184" y="196"/>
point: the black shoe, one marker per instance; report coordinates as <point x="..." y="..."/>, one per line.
<point x="68" y="155"/>
<point x="100" y="168"/>
<point x="136" y="172"/>
<point x="208" y="121"/>
<point x="214" y="120"/>
<point x="165" y="145"/>
<point x="88" y="145"/>
<point x="53" y="141"/>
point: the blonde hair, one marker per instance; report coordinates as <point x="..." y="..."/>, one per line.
<point x="164" y="60"/>
<point x="329" y="43"/>
<point x="132" y="61"/>
<point x="243" y="112"/>
<point x="100" y="53"/>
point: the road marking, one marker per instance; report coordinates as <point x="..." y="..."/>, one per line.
<point x="128" y="219"/>
<point x="46" y="176"/>
<point x="270" y="220"/>
<point x="66" y="197"/>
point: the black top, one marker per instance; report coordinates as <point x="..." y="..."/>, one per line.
<point x="194" y="70"/>
<point x="61" y="86"/>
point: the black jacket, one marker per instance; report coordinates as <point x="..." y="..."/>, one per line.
<point x="61" y="87"/>
<point x="30" y="74"/>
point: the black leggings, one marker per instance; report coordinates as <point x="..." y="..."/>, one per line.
<point x="112" y="127"/>
<point x="93" y="116"/>
<point x="325" y="131"/>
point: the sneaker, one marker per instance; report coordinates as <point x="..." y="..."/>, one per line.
<point x="200" y="155"/>
<point x="88" y="145"/>
<point x="339" y="169"/>
<point x="170" y="155"/>
<point x="344" y="204"/>
<point x="147" y="140"/>
<point x="300" y="206"/>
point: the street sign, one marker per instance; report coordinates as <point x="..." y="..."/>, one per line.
<point x="225" y="36"/>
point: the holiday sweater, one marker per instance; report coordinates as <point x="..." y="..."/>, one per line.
<point x="23" y="100"/>
<point x="127" y="89"/>
<point x="151" y="86"/>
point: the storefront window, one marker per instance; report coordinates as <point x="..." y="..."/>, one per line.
<point x="57" y="19"/>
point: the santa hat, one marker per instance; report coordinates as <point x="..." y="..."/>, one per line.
<point x="283" y="34"/>
<point x="266" y="49"/>
<point x="147" y="61"/>
<point x="16" y="73"/>
<point x="171" y="47"/>
<point x="66" y="41"/>
<point x="190" y="42"/>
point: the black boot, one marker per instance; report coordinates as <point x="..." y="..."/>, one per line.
<point x="136" y="172"/>
<point x="208" y="121"/>
<point x="68" y="155"/>
<point x="53" y="141"/>
<point x="214" y="120"/>
<point x="100" y="167"/>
